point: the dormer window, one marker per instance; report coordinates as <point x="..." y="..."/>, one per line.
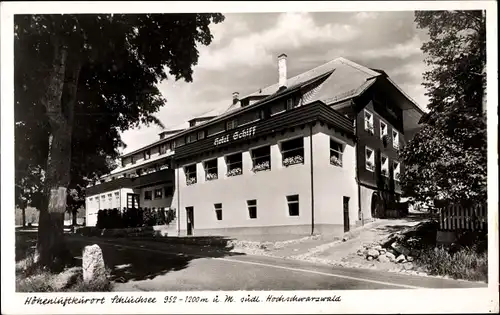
<point x="231" y="124"/>
<point x="368" y="122"/>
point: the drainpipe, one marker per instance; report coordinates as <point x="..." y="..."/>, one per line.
<point x="312" y="177"/>
<point x="178" y="202"/>
<point x="357" y="167"/>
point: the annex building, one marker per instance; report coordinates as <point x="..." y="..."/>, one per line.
<point x="315" y="153"/>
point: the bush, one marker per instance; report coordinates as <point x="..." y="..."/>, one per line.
<point x="131" y="217"/>
<point x="467" y="263"/>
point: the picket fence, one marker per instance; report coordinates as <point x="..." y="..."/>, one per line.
<point x="456" y="217"/>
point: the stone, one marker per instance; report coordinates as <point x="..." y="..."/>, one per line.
<point x="345" y="238"/>
<point x="373" y="252"/>
<point x="93" y="267"/>
<point x="382" y="251"/>
<point x="383" y="258"/>
<point x="360" y="253"/>
<point x="401" y="258"/>
<point x="408" y="266"/>
<point x="391" y="256"/>
<point x="410" y="258"/>
<point x="377" y="247"/>
<point x="369" y="258"/>
<point x="400" y="249"/>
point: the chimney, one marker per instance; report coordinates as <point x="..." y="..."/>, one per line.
<point x="282" y="71"/>
<point x="236" y="96"/>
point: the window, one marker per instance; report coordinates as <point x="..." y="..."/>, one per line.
<point x="384" y="165"/>
<point x="147" y="154"/>
<point x="395" y="139"/>
<point x="132" y="159"/>
<point x="252" y="208"/>
<point x="289" y="104"/>
<point x="103" y="201"/>
<point x="163" y="149"/>
<point x="336" y="150"/>
<point x="396" y="170"/>
<point x="139" y="171"/>
<point x="211" y="170"/>
<point x="174" y="144"/>
<point x="148" y="195"/>
<point x="368" y="121"/>
<point x="117" y="198"/>
<point x="98" y="203"/>
<point x="370" y="159"/>
<point x="293" y="205"/>
<point x="158" y="193"/>
<point x="169" y="191"/>
<point x="231" y="124"/>
<point x="190" y="174"/>
<point x="383" y="129"/>
<point x="234" y="164"/>
<point x="218" y="211"/>
<point x="201" y="134"/>
<point x="292" y="151"/>
<point x="261" y="159"/>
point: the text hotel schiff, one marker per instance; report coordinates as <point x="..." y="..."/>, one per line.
<point x="316" y="153"/>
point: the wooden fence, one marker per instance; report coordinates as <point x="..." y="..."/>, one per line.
<point x="459" y="218"/>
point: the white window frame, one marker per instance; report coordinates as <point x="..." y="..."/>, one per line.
<point x="252" y="150"/>
<point x="252" y="204"/>
<point x="370" y="160"/>
<point x="288" y="202"/>
<point x="218" y="208"/>
<point x="382" y="133"/>
<point x="154" y="193"/>
<point x="338" y="154"/>
<point x="396" y="170"/>
<point x="186" y="173"/>
<point x="384" y="166"/>
<point x="229" y="166"/>
<point x="395" y="139"/>
<point x="368" y="121"/>
<point x="207" y="170"/>
<point x="291" y="150"/>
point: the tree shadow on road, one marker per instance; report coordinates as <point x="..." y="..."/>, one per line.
<point x="135" y="260"/>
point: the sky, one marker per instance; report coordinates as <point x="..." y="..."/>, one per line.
<point x="243" y="58"/>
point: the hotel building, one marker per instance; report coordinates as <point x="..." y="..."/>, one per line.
<point x="315" y="153"/>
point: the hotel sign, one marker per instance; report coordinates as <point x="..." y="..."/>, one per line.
<point x="242" y="134"/>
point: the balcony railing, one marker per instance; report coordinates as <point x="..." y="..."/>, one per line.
<point x="158" y="177"/>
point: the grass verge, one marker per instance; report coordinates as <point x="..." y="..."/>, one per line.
<point x="466" y="263"/>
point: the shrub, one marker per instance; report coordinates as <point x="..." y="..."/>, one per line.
<point x="465" y="264"/>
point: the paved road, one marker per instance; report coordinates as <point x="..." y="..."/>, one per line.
<point x="156" y="266"/>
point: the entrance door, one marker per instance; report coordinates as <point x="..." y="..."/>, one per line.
<point x="133" y="201"/>
<point x="190" y="220"/>
<point x="346" y="214"/>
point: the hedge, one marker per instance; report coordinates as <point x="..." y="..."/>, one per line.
<point x="133" y="217"/>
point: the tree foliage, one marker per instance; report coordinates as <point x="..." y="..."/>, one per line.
<point x="81" y="80"/>
<point x="446" y="160"/>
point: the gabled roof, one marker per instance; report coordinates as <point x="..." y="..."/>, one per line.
<point x="357" y="74"/>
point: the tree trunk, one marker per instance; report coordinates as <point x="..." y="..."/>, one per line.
<point x="23" y="211"/>
<point x="51" y="251"/>
<point x="74" y="212"/>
